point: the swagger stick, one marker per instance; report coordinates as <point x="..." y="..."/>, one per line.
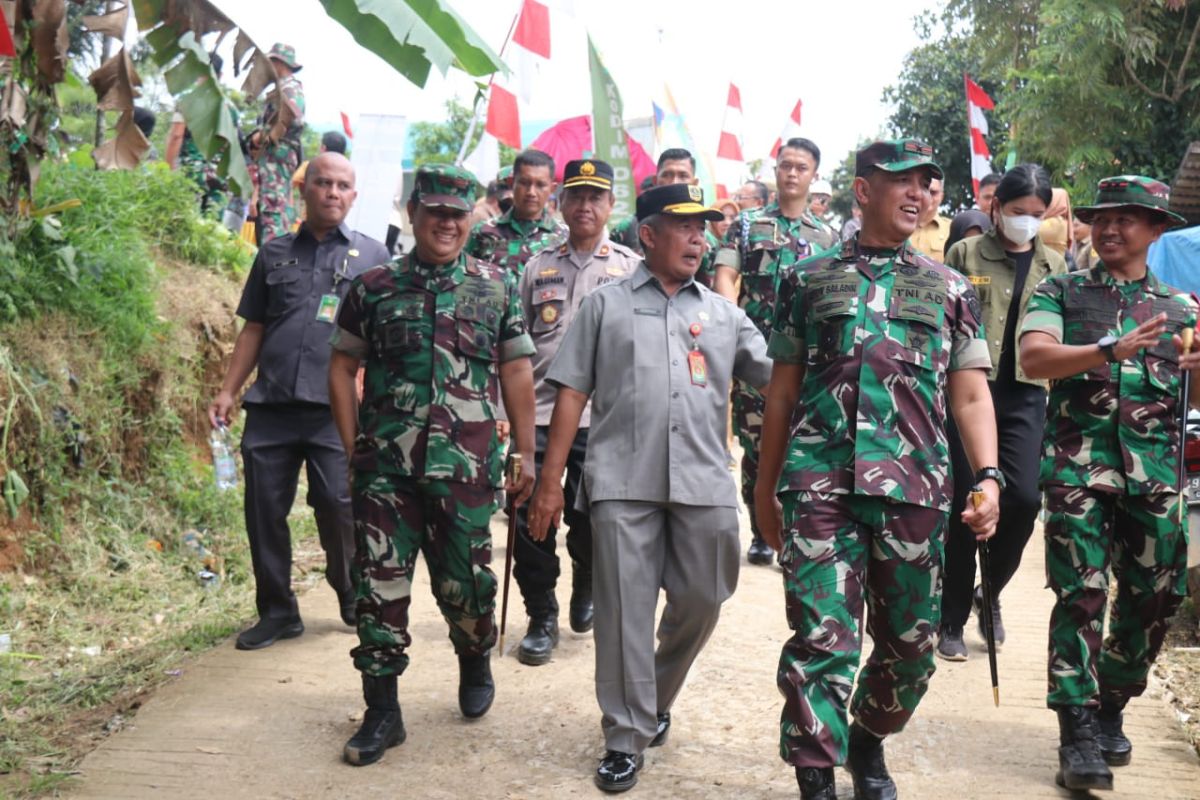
<point x="514" y="475"/>
<point x="1185" y="381"/>
<point x="985" y="582"/>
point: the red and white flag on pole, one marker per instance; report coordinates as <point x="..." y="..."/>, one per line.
<point x="981" y="158"/>
<point x="791" y="129"/>
<point x="730" y="161"/>
<point x="529" y="54"/>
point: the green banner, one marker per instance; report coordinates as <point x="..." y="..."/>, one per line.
<point x="608" y="132"/>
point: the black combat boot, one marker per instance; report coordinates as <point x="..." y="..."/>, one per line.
<point x="382" y="726"/>
<point x="865" y="763"/>
<point x="1080" y="763"/>
<point x="581" y="598"/>
<point x="816" y="783"/>
<point x="542" y="636"/>
<point x="760" y="552"/>
<point x="476" y="689"/>
<point x="1114" y="744"/>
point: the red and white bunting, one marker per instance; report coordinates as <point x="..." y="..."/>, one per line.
<point x="791" y="129"/>
<point x="528" y="56"/>
<point x="981" y="158"/>
<point x="730" y="161"/>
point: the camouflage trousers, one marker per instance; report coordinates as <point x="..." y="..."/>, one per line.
<point x="838" y="551"/>
<point x="394" y="519"/>
<point x="277" y="213"/>
<point x="748" y="407"/>
<point x="1140" y="539"/>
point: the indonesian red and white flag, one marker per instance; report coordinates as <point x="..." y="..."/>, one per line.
<point x="981" y="158"/>
<point x="528" y="55"/>
<point x="731" y="163"/>
<point x="791" y="129"/>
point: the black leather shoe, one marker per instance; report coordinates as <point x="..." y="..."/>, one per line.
<point x="1080" y="762"/>
<point x="816" y="783"/>
<point x="382" y="726"/>
<point x="618" y="771"/>
<point x="867" y="768"/>
<point x="664" y="727"/>
<point x="1114" y="744"/>
<point x="760" y="553"/>
<point x="347" y="606"/>
<point x="268" y="631"/>
<point x="581" y="615"/>
<point x="476" y="689"/>
<point x="540" y="640"/>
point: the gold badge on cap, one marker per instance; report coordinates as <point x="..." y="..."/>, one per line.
<point x="695" y="193"/>
<point x="587" y="169"/>
<point x="549" y="315"/>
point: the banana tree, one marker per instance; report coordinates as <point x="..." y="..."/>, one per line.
<point x="413" y="36"/>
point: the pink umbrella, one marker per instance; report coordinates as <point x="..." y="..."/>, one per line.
<point x="572" y="138"/>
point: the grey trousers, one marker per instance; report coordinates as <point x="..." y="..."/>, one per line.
<point x="638" y="548"/>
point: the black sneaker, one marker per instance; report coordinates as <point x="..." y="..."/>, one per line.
<point x="618" y="771"/>
<point x="268" y="631"/>
<point x="950" y="644"/>
<point x="997" y="624"/>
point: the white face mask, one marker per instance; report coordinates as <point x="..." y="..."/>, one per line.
<point x="1019" y="230"/>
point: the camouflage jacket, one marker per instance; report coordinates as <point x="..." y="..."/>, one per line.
<point x="432" y="338"/>
<point x="763" y="245"/>
<point x="511" y="242"/>
<point x="1115" y="427"/>
<point x="877" y="332"/>
<point x="626" y="232"/>
<point x="287" y="149"/>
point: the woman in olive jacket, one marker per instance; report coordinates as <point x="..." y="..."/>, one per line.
<point x="1004" y="265"/>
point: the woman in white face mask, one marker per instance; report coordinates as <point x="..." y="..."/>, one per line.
<point x="1004" y="265"/>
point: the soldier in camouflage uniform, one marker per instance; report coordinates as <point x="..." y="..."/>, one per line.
<point x="281" y="155"/>
<point x="437" y="331"/>
<point x="870" y="341"/>
<point x="1107" y="338"/>
<point x="675" y="165"/>
<point x="762" y="245"/>
<point x="528" y="227"/>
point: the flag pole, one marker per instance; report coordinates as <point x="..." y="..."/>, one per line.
<point x="462" y="151"/>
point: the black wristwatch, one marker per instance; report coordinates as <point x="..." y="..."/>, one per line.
<point x="993" y="473"/>
<point x="1106" y="345"/>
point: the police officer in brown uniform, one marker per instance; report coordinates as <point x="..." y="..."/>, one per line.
<point x="551" y="289"/>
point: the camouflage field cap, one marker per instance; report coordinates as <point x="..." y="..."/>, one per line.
<point x="504" y="178"/>
<point x="676" y="199"/>
<point x="446" y="186"/>
<point x="588" y="172"/>
<point x="895" y="155"/>
<point x="1131" y="190"/>
<point x="285" y="53"/>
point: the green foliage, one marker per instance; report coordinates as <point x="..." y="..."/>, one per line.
<point x="930" y="104"/>
<point x="440" y="142"/>
<point x="415" y="35"/>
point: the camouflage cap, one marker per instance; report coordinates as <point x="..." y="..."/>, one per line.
<point x="895" y="155"/>
<point x="504" y="177"/>
<point x="1131" y="190"/>
<point x="678" y="200"/>
<point x="446" y="186"/>
<point x="285" y="53"/>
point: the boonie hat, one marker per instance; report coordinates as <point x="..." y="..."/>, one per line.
<point x="821" y="186"/>
<point x="446" y="186"/>
<point x="1131" y="190"/>
<point x="588" y="172"/>
<point x="895" y="155"/>
<point x="285" y="53"/>
<point x="676" y="199"/>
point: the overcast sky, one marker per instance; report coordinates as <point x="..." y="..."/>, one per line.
<point x="836" y="56"/>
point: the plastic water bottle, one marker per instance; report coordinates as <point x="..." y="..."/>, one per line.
<point x="224" y="464"/>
